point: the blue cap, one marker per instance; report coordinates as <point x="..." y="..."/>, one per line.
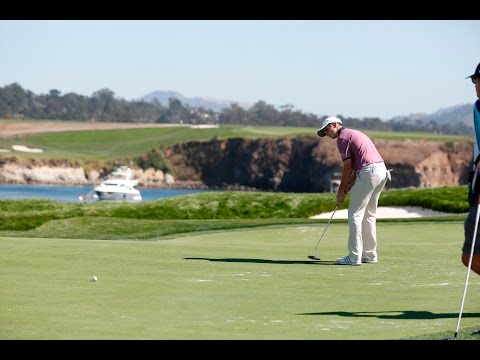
<point x="476" y="74"/>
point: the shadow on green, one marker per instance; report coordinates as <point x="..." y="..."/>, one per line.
<point x="266" y="261"/>
<point x="399" y="315"/>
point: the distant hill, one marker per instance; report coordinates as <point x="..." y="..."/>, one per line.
<point x="102" y="106"/>
<point x="211" y="103"/>
<point x="458" y="114"/>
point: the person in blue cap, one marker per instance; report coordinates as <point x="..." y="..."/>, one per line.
<point x="473" y="186"/>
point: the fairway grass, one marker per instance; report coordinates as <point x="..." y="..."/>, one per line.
<point x="238" y="284"/>
<point x="117" y="144"/>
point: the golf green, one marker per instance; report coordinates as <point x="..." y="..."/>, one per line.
<point x="243" y="284"/>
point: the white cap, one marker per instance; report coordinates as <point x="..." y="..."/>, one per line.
<point x="328" y="120"/>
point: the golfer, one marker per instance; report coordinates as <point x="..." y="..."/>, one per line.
<point x="365" y="174"/>
<point x="474" y="186"/>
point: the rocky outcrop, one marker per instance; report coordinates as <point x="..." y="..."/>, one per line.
<point x="42" y="174"/>
<point x="307" y="164"/>
<point x="297" y="164"/>
<point x="57" y="172"/>
<point x="427" y="163"/>
<point x="37" y="171"/>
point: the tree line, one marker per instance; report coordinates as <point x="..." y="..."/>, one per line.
<point x="102" y="105"/>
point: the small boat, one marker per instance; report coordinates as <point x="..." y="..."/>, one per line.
<point x="118" y="186"/>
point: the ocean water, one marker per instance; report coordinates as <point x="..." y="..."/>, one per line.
<point x="72" y="193"/>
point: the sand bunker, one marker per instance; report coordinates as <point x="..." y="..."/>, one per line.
<point x="204" y="126"/>
<point x="23" y="148"/>
<point x="385" y="212"/>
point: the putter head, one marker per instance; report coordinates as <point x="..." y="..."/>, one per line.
<point x="452" y="338"/>
<point x="313" y="257"/>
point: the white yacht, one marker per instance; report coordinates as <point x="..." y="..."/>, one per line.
<point x="118" y="186"/>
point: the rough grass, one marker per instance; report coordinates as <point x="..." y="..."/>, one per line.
<point x="24" y="215"/>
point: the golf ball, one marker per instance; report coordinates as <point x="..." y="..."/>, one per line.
<point x="94" y="278"/>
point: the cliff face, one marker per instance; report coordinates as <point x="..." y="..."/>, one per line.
<point x="57" y="172"/>
<point x="36" y="171"/>
<point x="298" y="164"/>
<point x="308" y="164"/>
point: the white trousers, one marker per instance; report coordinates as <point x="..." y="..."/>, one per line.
<point x="362" y="238"/>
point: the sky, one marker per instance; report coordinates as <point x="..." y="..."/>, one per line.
<point x="353" y="68"/>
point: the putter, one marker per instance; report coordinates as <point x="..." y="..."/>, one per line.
<point x="314" y="256"/>
<point x="469" y="267"/>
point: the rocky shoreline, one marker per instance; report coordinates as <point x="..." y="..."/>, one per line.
<point x="301" y="164"/>
<point x="55" y="173"/>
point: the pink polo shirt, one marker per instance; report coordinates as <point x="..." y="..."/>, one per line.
<point x="357" y="146"/>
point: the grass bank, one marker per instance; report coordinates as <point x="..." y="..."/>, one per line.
<point x="203" y="211"/>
